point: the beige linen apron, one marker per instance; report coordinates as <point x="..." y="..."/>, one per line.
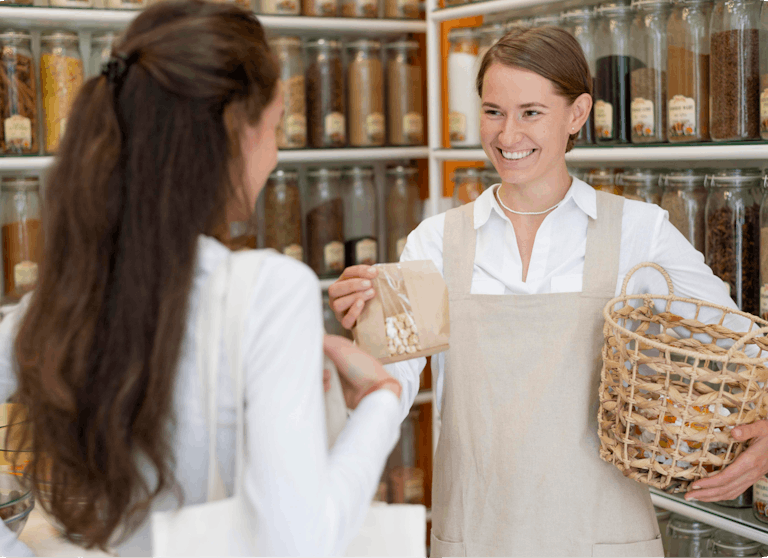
<point x="517" y="470"/>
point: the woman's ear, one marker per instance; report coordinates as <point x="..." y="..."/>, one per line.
<point x="580" y="109"/>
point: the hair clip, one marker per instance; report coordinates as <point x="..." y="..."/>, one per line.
<point x="115" y="68"/>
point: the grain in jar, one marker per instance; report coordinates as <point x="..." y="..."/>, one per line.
<point x="463" y="100"/>
<point x="325" y="94"/>
<point x="18" y="95"/>
<point x="405" y="118"/>
<point x="325" y="222"/>
<point x="22" y="234"/>
<point x="467" y="185"/>
<point x="685" y="199"/>
<point x="292" y="130"/>
<point x="360" y="8"/>
<point x="641" y="185"/>
<point x="365" y="94"/>
<point x="282" y="214"/>
<point x="604" y="180"/>
<point x="61" y="76"/>
<point x="361" y="245"/>
<point x="404" y="208"/>
<point x="279" y="7"/>
<point x="322" y="8"/>
<point x="101" y="50"/>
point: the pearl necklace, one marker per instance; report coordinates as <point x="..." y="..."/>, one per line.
<point x="525" y="212"/>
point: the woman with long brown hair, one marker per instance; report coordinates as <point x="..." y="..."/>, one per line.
<point x="173" y="141"/>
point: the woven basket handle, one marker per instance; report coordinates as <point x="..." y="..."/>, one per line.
<point x="647" y="264"/>
<point x="742" y="341"/>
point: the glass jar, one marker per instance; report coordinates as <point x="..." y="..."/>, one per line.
<point x="648" y="84"/>
<point x="743" y="500"/>
<point x="688" y="71"/>
<point x="604" y="180"/>
<point x="764" y="71"/>
<point x="489" y="177"/>
<point x="578" y="172"/>
<point x="641" y="185"/>
<point x="405" y="118"/>
<point x="688" y="537"/>
<point x="662" y="518"/>
<point x="360" y="222"/>
<point x="764" y="315"/>
<point x="733" y="234"/>
<point x="685" y="199"/>
<point x="401" y="9"/>
<point x="282" y="214"/>
<point x="463" y="100"/>
<point x="18" y="3"/>
<point x="360" y="8"/>
<point x="325" y="94"/>
<point x="518" y="23"/>
<point x="406" y="478"/>
<point x="581" y="24"/>
<point x="404" y="208"/>
<point x="724" y="543"/>
<point x="467" y="185"/>
<point x="325" y="222"/>
<point x="615" y="63"/>
<point x="101" y="50"/>
<point x="61" y="76"/>
<point x="323" y="8"/>
<point x="22" y="234"/>
<point x="760" y="497"/>
<point x="292" y="130"/>
<point x="18" y="95"/>
<point x="365" y="94"/>
<point x="488" y="35"/>
<point x="546" y="20"/>
<point x="734" y="70"/>
<point x="279" y="7"/>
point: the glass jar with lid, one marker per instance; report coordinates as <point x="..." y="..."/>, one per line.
<point x="688" y="537"/>
<point x="463" y="100"/>
<point x="762" y="484"/>
<point x="641" y="184"/>
<point x="401" y="9"/>
<point x="662" y="518"/>
<point x="61" y="76"/>
<point x="325" y="222"/>
<point x="604" y="180"/>
<point x="325" y="94"/>
<point x="360" y="8"/>
<point x="760" y="488"/>
<point x="404" y="208"/>
<point x="615" y="63"/>
<point x="489" y="34"/>
<point x="685" y="199"/>
<point x="101" y="50"/>
<point x="365" y="94"/>
<point x="292" y="130"/>
<point x="405" y="113"/>
<point x="578" y="172"/>
<point x="734" y="70"/>
<point x="688" y="71"/>
<point x="733" y="234"/>
<point x="724" y="543"/>
<point x="279" y="7"/>
<point x="282" y="214"/>
<point x="360" y="217"/>
<point x="546" y="20"/>
<point x="467" y="185"/>
<point x="648" y="83"/>
<point x="18" y="95"/>
<point x="323" y="8"/>
<point x="581" y="23"/>
<point x="22" y="234"/>
<point x="764" y="71"/>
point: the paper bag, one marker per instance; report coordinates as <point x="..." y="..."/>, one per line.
<point x="408" y="317"/>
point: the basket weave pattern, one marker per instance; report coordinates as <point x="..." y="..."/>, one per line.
<point x="668" y="401"/>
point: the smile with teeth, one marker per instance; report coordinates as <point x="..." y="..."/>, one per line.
<point x="515" y="155"/>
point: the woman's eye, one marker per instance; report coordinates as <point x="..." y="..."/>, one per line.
<point x="531" y="113"/>
<point x="492" y="112"/>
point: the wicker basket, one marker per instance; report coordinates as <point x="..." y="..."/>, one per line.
<point x="664" y="396"/>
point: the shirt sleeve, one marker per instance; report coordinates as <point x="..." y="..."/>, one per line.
<point x="308" y="501"/>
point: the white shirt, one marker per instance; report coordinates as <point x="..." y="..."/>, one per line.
<point x="309" y="501"/>
<point x="557" y="263"/>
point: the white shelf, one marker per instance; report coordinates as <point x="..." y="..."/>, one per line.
<point x="343" y="25"/>
<point x="739" y="521"/>
<point x="485" y="8"/>
<point x="423" y="397"/>
<point x="19" y="164"/>
<point x="325" y="283"/>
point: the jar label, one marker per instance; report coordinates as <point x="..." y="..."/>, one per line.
<point x="326" y="7"/>
<point x="764" y="111"/>
<point x="764" y="301"/>
<point x="367" y="8"/>
<point x="280" y="7"/>
<point x="603" y="119"/>
<point x="366" y="251"/>
<point x="760" y="491"/>
<point x="25" y="274"/>
<point x="681" y="112"/>
<point x="642" y="117"/>
<point x="401" y="246"/>
<point x="457" y="126"/>
<point x="18" y="132"/>
<point x="334" y="128"/>
<point x="294" y="251"/>
<point x="295" y="130"/>
<point x="413" y="127"/>
<point x="409" y="8"/>
<point x="374" y="128"/>
<point x="334" y="256"/>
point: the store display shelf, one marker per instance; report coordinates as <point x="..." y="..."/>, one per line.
<point x="343" y="25"/>
<point x="423" y="397"/>
<point x="739" y="521"/>
<point x="486" y="8"/>
<point x="20" y="164"/>
<point x="352" y="154"/>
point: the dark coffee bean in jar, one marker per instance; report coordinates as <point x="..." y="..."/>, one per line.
<point x="325" y="222"/>
<point x="325" y="94"/>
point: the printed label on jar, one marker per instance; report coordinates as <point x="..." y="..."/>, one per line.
<point x="334" y="256"/>
<point x="457" y="126"/>
<point x="365" y="252"/>
<point x="764" y="111"/>
<point x="760" y="498"/>
<point x="280" y="7"/>
<point x="401" y="246"/>
<point x="334" y="127"/>
<point x="682" y="116"/>
<point x="25" y="274"/>
<point x="413" y="127"/>
<point x="642" y="117"/>
<point x="296" y="129"/>
<point x="374" y="127"/>
<point x="603" y="120"/>
<point x="294" y="251"/>
<point x="409" y="8"/>
<point x="18" y="132"/>
<point x="326" y="7"/>
<point x="367" y="8"/>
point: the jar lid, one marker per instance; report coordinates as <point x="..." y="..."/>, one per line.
<point x="364" y="44"/>
<point x="400" y="169"/>
<point x="12" y="34"/>
<point x="689" y="526"/>
<point x="282" y="174"/>
<point x="59" y="36"/>
<point x="462" y="33"/>
<point x="634" y="177"/>
<point x="403" y="45"/>
<point x="740" y="546"/>
<point x="736" y="177"/>
<point x="643" y="4"/>
<point x="324" y="43"/>
<point x="363" y="172"/>
<point x="551" y="19"/>
<point x="578" y="13"/>
<point x="613" y="7"/>
<point x="20" y="183"/>
<point x="325" y="173"/>
<point x="284" y="41"/>
<point x="468" y="172"/>
<point x="684" y="178"/>
<point x="103" y="38"/>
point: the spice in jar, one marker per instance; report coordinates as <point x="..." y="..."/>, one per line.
<point x="405" y="119"/>
<point x="61" y="76"/>
<point x="685" y="199"/>
<point x="282" y="214"/>
<point x="401" y="9"/>
<point x="325" y="222"/>
<point x="292" y="130"/>
<point x="365" y="94"/>
<point x="467" y="185"/>
<point x="326" y="8"/>
<point x="22" y="235"/>
<point x="360" y="8"/>
<point x="18" y="95"/>
<point x="404" y="208"/>
<point x="280" y="7"/>
<point x="360" y="211"/>
<point x="325" y="95"/>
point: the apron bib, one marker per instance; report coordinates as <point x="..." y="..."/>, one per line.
<point x="517" y="469"/>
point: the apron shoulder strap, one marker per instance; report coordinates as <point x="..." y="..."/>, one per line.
<point x="601" y="261"/>
<point x="459" y="240"/>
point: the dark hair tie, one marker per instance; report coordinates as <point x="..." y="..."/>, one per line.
<point x="116" y="67"/>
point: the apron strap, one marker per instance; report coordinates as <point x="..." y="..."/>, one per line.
<point x="459" y="241"/>
<point x="601" y="261"/>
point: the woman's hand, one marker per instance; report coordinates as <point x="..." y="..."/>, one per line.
<point x="348" y="295"/>
<point x="359" y="372"/>
<point x="745" y="471"/>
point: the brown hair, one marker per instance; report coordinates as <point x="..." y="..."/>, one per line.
<point x="144" y="168"/>
<point x="549" y="51"/>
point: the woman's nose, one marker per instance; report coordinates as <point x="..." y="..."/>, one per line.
<point x="511" y="133"/>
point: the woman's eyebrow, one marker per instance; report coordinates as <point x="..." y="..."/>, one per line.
<point x="534" y="104"/>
